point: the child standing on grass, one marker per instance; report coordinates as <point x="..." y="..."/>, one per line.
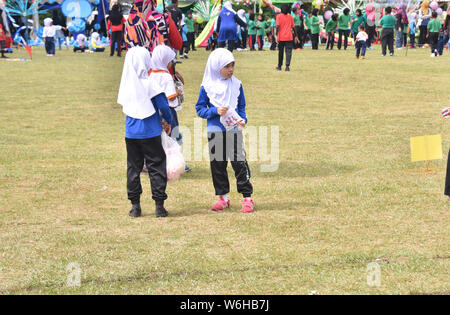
<point x="387" y="33"/>
<point x="330" y="28"/>
<point x="222" y="96"/>
<point x="261" y="26"/>
<point x="190" y="30"/>
<point x="434" y="27"/>
<point x="142" y="101"/>
<point x="360" y="45"/>
<point x="412" y="31"/>
<point x="252" y="31"/>
<point x="49" y="34"/>
<point x="315" y="29"/>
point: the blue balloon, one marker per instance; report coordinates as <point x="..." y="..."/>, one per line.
<point x="78" y="26"/>
<point x="51" y="1"/>
<point x="76" y="8"/>
<point x="96" y="26"/>
<point x="96" y="2"/>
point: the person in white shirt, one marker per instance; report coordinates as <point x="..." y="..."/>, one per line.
<point x="361" y="39"/>
<point x="81" y="43"/>
<point x="48" y="34"/>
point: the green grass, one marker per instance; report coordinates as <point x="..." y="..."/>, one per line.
<point x="345" y="194"/>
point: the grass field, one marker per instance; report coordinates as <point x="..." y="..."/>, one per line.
<point x="346" y="193"/>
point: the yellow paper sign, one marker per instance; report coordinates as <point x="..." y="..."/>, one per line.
<point x="426" y="148"/>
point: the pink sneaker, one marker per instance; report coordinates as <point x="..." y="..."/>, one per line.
<point x="221" y="204"/>
<point x="247" y="206"/>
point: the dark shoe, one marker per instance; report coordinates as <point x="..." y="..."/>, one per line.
<point x="278" y="68"/>
<point x="161" y="212"/>
<point x="187" y="169"/>
<point x="135" y="211"/>
<point x="287" y="69"/>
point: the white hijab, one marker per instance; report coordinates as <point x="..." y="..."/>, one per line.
<point x="229" y="7"/>
<point x="221" y="91"/>
<point x="136" y="89"/>
<point x="241" y="14"/>
<point x="161" y="56"/>
<point x="48" y="21"/>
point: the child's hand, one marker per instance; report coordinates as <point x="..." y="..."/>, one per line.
<point x="241" y="123"/>
<point x="179" y="92"/>
<point x="166" y="127"/>
<point x="222" y="110"/>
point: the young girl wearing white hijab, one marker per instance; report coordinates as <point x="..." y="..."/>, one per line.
<point x="49" y="33"/>
<point x="142" y="102"/>
<point x="221" y="94"/>
<point x="162" y="58"/>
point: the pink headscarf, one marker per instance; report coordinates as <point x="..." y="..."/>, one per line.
<point x="370" y="11"/>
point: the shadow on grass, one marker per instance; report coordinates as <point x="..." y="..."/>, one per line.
<point x="285" y="169"/>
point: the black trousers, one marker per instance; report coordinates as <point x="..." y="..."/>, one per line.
<point x="282" y="46"/>
<point x="330" y="40"/>
<point x="371" y="35"/>
<point x="231" y="45"/>
<point x="306" y="36"/>
<point x="224" y="146"/>
<point x="152" y="152"/>
<point x="299" y="31"/>
<point x="387" y="39"/>
<point x="447" y="179"/>
<point x="185" y="48"/>
<point x="345" y="34"/>
<point x="116" y="37"/>
<point x="244" y="35"/>
<point x="434" y="36"/>
<point x="423" y="38"/>
<point x="191" y="39"/>
<point x="315" y="41"/>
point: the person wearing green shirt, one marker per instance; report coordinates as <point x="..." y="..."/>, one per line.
<point x="252" y="31"/>
<point x="190" y="29"/>
<point x="344" y="23"/>
<point x="315" y="29"/>
<point x="307" y="26"/>
<point x="299" y="28"/>
<point x="261" y="27"/>
<point x="358" y="20"/>
<point x="330" y="28"/>
<point x="273" y="28"/>
<point x="387" y="23"/>
<point x="433" y="27"/>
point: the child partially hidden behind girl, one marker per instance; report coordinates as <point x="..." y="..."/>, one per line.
<point x="222" y="100"/>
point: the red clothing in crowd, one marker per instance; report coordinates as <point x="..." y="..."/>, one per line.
<point x="2" y="33"/>
<point x="286" y="24"/>
<point x="175" y="39"/>
<point x="116" y="28"/>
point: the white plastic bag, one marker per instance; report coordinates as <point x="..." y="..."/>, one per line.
<point x="175" y="164"/>
<point x="231" y="119"/>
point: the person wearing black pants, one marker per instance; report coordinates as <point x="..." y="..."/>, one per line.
<point x="116" y="38"/>
<point x="143" y="129"/>
<point x="370" y="30"/>
<point x="155" y="158"/>
<point x="387" y="40"/>
<point x="282" y="46"/>
<point x="343" y="33"/>
<point x="447" y="178"/>
<point x="115" y="25"/>
<point x="315" y="41"/>
<point x="224" y="146"/>
<point x="231" y="45"/>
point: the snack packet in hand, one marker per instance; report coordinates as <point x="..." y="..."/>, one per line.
<point x="446" y="112"/>
<point x="231" y="119"/>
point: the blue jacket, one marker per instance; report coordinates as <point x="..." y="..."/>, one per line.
<point x="208" y="111"/>
<point x="149" y="127"/>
